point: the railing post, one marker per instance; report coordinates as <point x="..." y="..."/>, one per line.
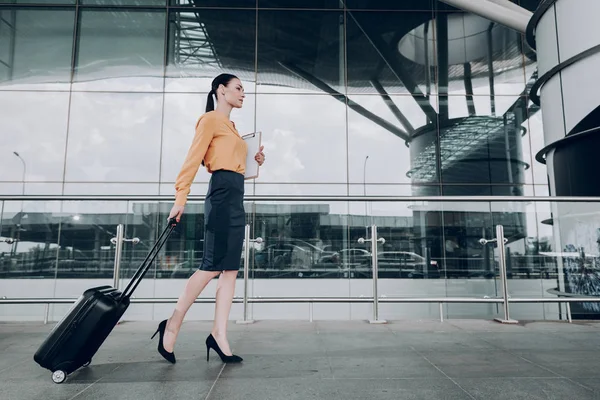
<point x="247" y="243"/>
<point x="503" y="276"/>
<point x="374" y="241"/>
<point x="118" y="241"/>
<point x="501" y="241"/>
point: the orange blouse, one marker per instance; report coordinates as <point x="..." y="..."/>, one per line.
<point x="218" y="144"/>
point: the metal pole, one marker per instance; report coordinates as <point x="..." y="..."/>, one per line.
<point x="374" y="242"/>
<point x="247" y="242"/>
<point x="46" y="312"/>
<point x="118" y="241"/>
<point x="503" y="278"/>
<point x="441" y="312"/>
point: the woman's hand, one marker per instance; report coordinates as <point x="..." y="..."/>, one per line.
<point x="176" y="212"/>
<point x="260" y="156"/>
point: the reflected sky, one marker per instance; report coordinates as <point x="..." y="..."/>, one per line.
<point x="139" y="126"/>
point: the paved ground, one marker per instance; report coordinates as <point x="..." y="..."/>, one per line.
<point x="323" y="360"/>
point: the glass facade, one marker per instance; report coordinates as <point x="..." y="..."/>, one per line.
<point x="362" y="97"/>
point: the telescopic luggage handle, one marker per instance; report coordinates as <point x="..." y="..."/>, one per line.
<point x="143" y="269"/>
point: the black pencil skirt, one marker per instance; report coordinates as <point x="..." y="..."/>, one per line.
<point x="224" y="222"/>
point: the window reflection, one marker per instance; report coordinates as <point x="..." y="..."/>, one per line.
<point x="374" y="61"/>
<point x="207" y="42"/>
<point x="302" y="241"/>
<point x="300" y="50"/>
<point x="304" y="137"/>
<point x="378" y="151"/>
<point x="85" y="232"/>
<point x="134" y="62"/>
<point x="29" y="239"/>
<point x="34" y="125"/>
<point x="114" y="137"/>
<point x="35" y="48"/>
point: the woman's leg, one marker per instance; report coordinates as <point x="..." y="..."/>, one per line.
<point x="224" y="298"/>
<point x="192" y="290"/>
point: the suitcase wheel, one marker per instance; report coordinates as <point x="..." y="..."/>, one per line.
<point x="59" y="376"/>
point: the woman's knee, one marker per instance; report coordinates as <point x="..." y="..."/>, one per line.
<point x="228" y="276"/>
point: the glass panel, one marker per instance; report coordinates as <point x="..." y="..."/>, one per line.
<point x="34" y="125"/>
<point x="432" y="249"/>
<point x="36" y="46"/>
<point x="301" y="51"/>
<point x="114" y="137"/>
<point x="385" y="56"/>
<point x="86" y="251"/>
<point x="135" y="62"/>
<point x="297" y="149"/>
<point x="181" y="112"/>
<point x="205" y="43"/>
<point x="562" y="260"/>
<point x="28" y="249"/>
<point x="28" y="244"/>
<point x="378" y="138"/>
<point x="301" y="250"/>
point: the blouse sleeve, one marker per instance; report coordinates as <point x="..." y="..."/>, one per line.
<point x="202" y="138"/>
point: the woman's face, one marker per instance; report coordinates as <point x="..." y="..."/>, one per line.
<point x="233" y="93"/>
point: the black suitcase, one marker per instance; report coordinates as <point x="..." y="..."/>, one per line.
<point x="79" y="334"/>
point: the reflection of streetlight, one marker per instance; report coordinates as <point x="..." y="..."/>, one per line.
<point x="23" y="193"/>
<point x="24" y="170"/>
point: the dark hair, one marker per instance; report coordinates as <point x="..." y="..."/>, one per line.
<point x="222" y="79"/>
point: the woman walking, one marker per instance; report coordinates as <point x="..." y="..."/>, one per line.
<point x="218" y="146"/>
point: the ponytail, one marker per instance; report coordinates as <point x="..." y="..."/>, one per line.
<point x="222" y="79"/>
<point x="210" y="102"/>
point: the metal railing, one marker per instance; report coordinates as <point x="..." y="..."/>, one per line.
<point x="288" y="198"/>
<point x="375" y="299"/>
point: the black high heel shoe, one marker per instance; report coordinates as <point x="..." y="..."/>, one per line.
<point x="170" y="357"/>
<point x="212" y="343"/>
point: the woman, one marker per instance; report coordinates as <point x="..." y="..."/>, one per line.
<point x="218" y="146"/>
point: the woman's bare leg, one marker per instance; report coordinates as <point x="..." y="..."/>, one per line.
<point x="194" y="286"/>
<point x="224" y="298"/>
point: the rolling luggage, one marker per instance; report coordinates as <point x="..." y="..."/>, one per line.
<point x="79" y="334"/>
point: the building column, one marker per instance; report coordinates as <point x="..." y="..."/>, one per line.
<point x="566" y="36"/>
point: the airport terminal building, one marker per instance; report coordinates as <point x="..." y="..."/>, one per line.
<point x="428" y="122"/>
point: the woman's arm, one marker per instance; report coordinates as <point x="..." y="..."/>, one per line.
<point x="202" y="138"/>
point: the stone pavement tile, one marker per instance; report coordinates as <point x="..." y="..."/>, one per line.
<point x="488" y="364"/>
<point x="570" y="364"/>
<point x="146" y="391"/>
<point x="525" y="389"/>
<point x="41" y="389"/>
